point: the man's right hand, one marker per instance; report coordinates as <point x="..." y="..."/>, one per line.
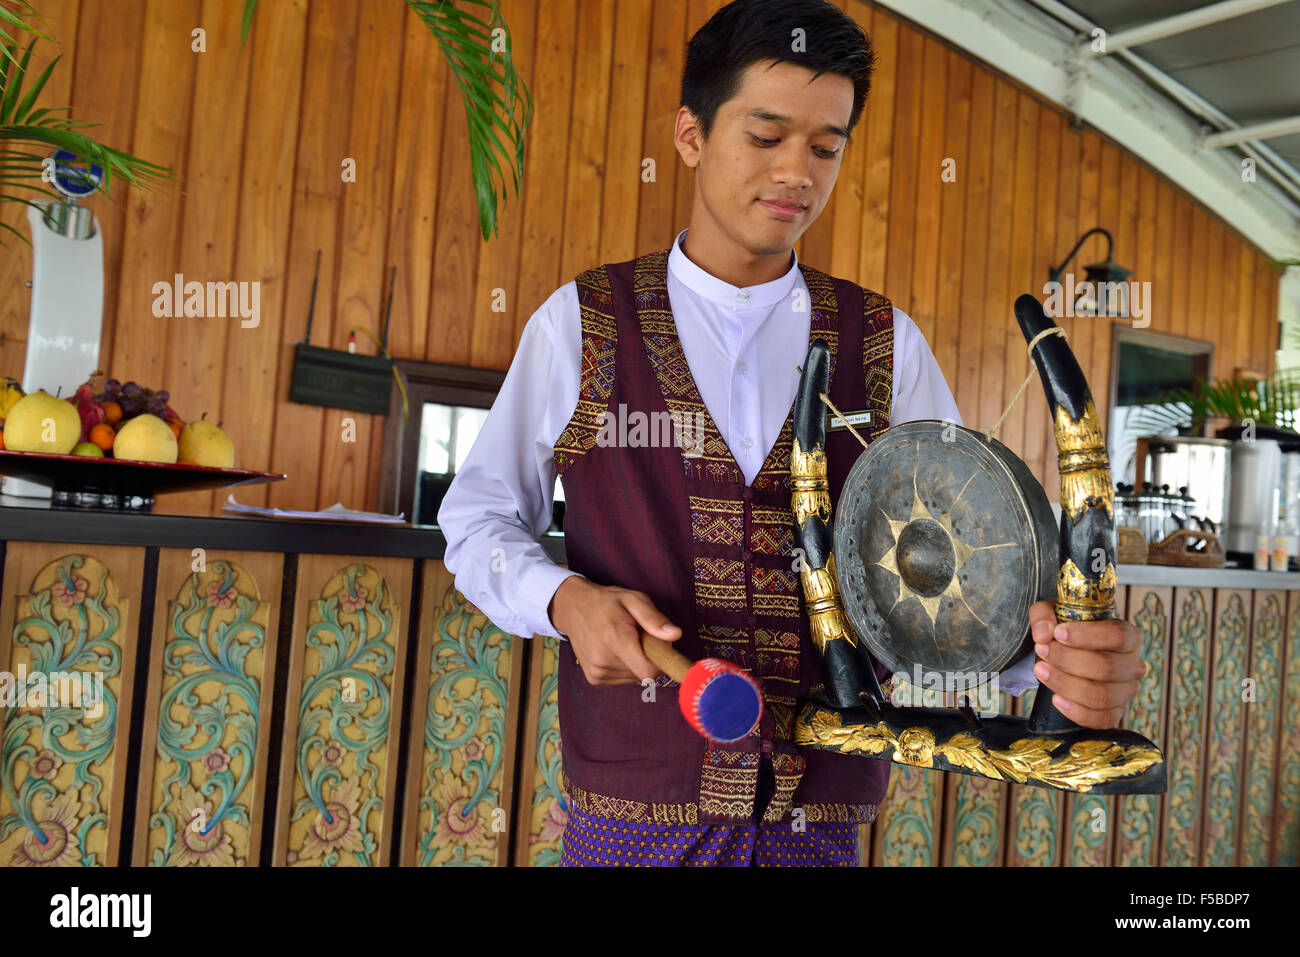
<point x="603" y="624"/>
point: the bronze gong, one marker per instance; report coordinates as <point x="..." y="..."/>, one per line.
<point x="943" y="539"/>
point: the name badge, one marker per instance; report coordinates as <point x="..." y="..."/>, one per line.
<point x="836" y="424"/>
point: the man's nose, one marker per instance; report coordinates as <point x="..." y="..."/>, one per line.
<point x="793" y="167"/>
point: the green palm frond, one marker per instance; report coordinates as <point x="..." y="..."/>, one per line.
<point x="1272" y="402"/>
<point x="498" y="123"/>
<point x="498" y="106"/>
<point x="17" y="21"/>
<point x="21" y="125"/>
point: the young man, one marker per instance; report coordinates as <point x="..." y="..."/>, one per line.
<point x="690" y="539"/>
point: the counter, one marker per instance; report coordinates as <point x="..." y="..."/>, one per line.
<point x="319" y="694"/>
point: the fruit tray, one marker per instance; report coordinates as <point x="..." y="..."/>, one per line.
<point x="78" y="481"/>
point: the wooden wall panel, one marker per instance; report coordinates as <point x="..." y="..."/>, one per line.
<point x="64" y="793"/>
<point x="258" y="143"/>
<point x="460" y="772"/>
<point x="343" y="712"/>
<point x="208" y="712"/>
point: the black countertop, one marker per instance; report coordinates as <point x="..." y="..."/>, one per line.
<point x="34" y="520"/>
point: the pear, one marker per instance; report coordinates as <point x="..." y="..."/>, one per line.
<point x="205" y="444"/>
<point x="146" y="438"/>
<point x="41" y="423"/>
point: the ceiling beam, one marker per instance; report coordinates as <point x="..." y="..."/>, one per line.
<point x="1257" y="131"/>
<point x="1106" y="43"/>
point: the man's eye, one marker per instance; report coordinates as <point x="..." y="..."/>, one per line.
<point x="825" y="153"/>
<point x="762" y="142"/>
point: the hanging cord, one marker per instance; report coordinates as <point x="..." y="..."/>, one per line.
<point x="401" y="386"/>
<point x="1053" y="331"/>
<point x="843" y="418"/>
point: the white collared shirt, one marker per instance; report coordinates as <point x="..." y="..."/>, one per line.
<point x="742" y="346"/>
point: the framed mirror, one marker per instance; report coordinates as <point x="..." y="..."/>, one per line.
<point x="1144" y="366"/>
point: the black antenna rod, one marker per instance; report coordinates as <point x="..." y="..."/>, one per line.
<point x="388" y="313"/>
<point x="311" y="309"/>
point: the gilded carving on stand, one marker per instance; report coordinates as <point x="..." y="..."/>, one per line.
<point x="344" y="713"/>
<point x="461" y="819"/>
<point x="1083" y="464"/>
<point x="826" y="619"/>
<point x="58" y="761"/>
<point x="213" y="654"/>
<point x="1084" y="765"/>
<point x="809" y="490"/>
<point x="1084" y="598"/>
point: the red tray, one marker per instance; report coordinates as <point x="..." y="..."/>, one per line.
<point x="78" y="481"/>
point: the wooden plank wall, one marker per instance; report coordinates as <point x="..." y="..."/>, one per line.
<point x="260" y="140"/>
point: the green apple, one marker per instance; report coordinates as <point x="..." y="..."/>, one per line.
<point x="88" y="449"/>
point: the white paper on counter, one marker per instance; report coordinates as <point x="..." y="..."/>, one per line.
<point x="335" y="512"/>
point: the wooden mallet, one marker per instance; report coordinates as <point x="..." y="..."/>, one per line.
<point x="718" y="698"/>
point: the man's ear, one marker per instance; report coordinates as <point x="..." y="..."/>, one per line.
<point x="687" y="137"/>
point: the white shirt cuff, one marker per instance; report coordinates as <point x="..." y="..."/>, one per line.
<point x="1020" y="677"/>
<point x="536" y="589"/>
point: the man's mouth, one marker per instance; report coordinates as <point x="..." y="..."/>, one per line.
<point x="786" y="211"/>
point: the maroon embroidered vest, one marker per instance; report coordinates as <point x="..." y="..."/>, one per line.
<point x="667" y="512"/>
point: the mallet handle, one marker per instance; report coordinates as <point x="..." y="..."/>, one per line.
<point x="671" y="661"/>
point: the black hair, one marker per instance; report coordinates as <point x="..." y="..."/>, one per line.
<point x="746" y="31"/>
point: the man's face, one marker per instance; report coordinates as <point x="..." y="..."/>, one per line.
<point x="768" y="166"/>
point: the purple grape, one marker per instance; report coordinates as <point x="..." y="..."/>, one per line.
<point x="162" y="395"/>
<point x="132" y="391"/>
<point x="112" y="386"/>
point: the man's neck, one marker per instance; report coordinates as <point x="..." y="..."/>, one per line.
<point x="720" y="257"/>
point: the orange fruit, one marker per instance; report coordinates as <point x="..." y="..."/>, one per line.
<point x="176" y="426"/>
<point x="2" y="440"/>
<point x="186" y="462"/>
<point x="102" y="435"/>
<point x="112" y="412"/>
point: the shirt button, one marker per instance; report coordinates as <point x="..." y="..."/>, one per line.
<point x="742" y="297"/>
<point x="742" y="366"/>
<point x="746" y="442"/>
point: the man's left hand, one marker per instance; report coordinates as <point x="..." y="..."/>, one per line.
<point x="1092" y="666"/>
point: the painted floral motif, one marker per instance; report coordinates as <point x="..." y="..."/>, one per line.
<point x="54" y="757"/>
<point x="70" y="591"/>
<point x="53" y="841"/>
<point x="337" y="828"/>
<point x="46" y="765"/>
<point x="553" y="824"/>
<point x="344" y="712"/>
<point x="218" y="598"/>
<point x="459" y="822"/>
<point x="206" y="745"/>
<point x="200" y="842"/>
<point x="464" y="738"/>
